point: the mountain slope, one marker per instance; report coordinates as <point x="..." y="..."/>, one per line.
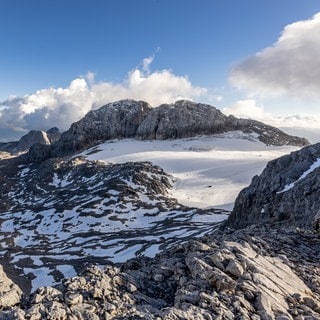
<point x="136" y="119"/>
<point x="79" y="211"/>
<point x="287" y="191"/>
<point x="79" y="208"/>
<point x="249" y="274"/>
<point x="31" y="138"/>
<point x="104" y="205"/>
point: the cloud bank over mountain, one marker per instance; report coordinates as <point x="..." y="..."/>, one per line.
<point x="61" y="106"/>
<point x="288" y="70"/>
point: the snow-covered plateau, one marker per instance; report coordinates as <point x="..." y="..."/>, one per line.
<point x="208" y="171"/>
<point x="92" y="207"/>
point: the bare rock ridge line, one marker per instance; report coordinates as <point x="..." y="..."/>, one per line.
<point x="31" y="138"/>
<point x="286" y="192"/>
<point x="137" y="119"/>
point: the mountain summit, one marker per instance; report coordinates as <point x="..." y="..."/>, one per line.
<point x="137" y="119"/>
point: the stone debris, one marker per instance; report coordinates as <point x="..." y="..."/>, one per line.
<point x="256" y="273"/>
<point x="10" y="293"/>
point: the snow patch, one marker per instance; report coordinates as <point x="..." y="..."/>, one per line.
<point x="314" y="166"/>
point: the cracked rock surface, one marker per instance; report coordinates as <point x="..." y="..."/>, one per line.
<point x="255" y="273"/>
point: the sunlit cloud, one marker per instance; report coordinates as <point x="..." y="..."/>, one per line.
<point x="248" y="108"/>
<point x="60" y="107"/>
<point x="251" y="109"/>
<point x="291" y="66"/>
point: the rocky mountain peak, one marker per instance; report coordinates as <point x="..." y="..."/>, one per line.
<point x="137" y="119"/>
<point x="113" y="121"/>
<point x="34" y="136"/>
<point x="180" y="120"/>
<point x="60" y="214"/>
<point x="31" y="138"/>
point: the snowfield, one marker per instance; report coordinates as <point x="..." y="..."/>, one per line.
<point x="209" y="171"/>
<point x="85" y="211"/>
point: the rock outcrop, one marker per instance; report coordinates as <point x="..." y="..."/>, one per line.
<point x="287" y="192"/>
<point x="255" y="273"/>
<point x="31" y="138"/>
<point x="115" y="120"/>
<point x="136" y="119"/>
<point x="185" y="119"/>
<point x="182" y="119"/>
<point x="10" y="293"/>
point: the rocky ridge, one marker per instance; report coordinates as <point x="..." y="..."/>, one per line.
<point x="79" y="211"/>
<point x="185" y="119"/>
<point x="137" y="119"/>
<point x="60" y="209"/>
<point x="31" y="138"/>
<point x="287" y="192"/>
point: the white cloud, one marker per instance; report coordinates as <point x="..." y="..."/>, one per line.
<point x="61" y="106"/>
<point x="247" y="109"/>
<point x="291" y="66"/>
<point x="250" y="108"/>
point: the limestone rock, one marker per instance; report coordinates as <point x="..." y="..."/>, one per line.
<point x="188" y="119"/>
<point x="286" y="192"/>
<point x="136" y="119"/>
<point x="192" y="286"/>
<point x="10" y="293"/>
<point x="113" y="121"/>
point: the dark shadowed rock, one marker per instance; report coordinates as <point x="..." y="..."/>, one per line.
<point x="287" y="191"/>
<point x="113" y="121"/>
<point x="136" y="119"/>
<point x="188" y="119"/>
<point x="34" y="136"/>
<point x="182" y="119"/>
<point x="53" y="134"/>
<point x="31" y="138"/>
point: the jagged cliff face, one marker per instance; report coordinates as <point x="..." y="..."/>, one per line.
<point x="286" y="192"/>
<point x="182" y="119"/>
<point x="116" y="120"/>
<point x="136" y="119"/>
<point x="185" y="119"/>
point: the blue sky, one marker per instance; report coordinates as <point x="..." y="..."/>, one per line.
<point x="205" y="47"/>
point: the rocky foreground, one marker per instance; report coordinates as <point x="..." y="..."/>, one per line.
<point x="254" y="273"/>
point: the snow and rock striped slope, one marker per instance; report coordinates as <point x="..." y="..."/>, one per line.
<point x="64" y="204"/>
<point x="109" y="204"/>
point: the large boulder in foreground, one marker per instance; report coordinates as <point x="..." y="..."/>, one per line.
<point x="287" y="192"/>
<point x="249" y="274"/>
<point x="10" y="293"/>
